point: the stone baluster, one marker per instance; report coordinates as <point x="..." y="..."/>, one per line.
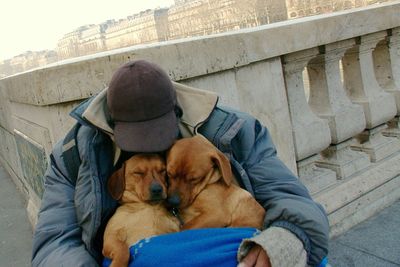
<point x="311" y="134"/>
<point x="363" y="88"/>
<point x="329" y="101"/>
<point x="387" y="66"/>
<point x="394" y="50"/>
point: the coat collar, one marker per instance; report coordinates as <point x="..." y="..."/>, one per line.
<point x="196" y="104"/>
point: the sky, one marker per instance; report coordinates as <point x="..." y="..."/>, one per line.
<point x="38" y="24"/>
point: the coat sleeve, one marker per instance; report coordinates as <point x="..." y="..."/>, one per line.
<point x="57" y="238"/>
<point x="287" y="201"/>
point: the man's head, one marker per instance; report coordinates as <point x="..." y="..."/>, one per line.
<point x="142" y="103"/>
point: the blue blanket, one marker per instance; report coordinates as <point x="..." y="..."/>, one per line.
<point x="195" y="248"/>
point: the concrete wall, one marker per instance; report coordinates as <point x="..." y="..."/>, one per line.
<point x="259" y="71"/>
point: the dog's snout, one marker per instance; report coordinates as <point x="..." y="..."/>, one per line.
<point x="156" y="189"/>
<point x="174" y="200"/>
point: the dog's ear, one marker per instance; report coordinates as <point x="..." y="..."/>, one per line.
<point x="224" y="166"/>
<point x="167" y="152"/>
<point x="116" y="183"/>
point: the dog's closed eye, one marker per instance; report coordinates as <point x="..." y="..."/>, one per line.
<point x="195" y="180"/>
<point x="170" y="175"/>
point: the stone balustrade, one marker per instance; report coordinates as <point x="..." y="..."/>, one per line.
<point x="327" y="87"/>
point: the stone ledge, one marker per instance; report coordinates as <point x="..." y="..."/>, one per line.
<point x="364" y="207"/>
<point x="352" y="200"/>
<point x="360" y="184"/>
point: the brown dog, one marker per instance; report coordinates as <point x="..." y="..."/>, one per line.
<point x="200" y="184"/>
<point x="140" y="187"/>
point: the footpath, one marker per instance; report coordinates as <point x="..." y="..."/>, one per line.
<point x="374" y="242"/>
<point x="15" y="229"/>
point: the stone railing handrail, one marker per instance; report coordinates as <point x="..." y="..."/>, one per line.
<point x="327" y="87"/>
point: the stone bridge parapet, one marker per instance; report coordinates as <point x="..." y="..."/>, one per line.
<point x="327" y="87"/>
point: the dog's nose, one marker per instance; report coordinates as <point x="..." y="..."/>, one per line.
<point x="156" y="188"/>
<point x="174" y="200"/>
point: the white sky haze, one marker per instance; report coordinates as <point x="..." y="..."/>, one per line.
<point x="38" y="25"/>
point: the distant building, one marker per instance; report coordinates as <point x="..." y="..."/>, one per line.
<point x="27" y="61"/>
<point x="92" y="39"/>
<point x="146" y="27"/>
<point x="46" y="57"/>
<point x="186" y="18"/>
<point x="5" y="68"/>
<point x="203" y="17"/>
<point x="161" y="24"/>
<point x="68" y="46"/>
<point x="17" y="63"/>
<point x="303" y="8"/>
<point x="181" y="2"/>
<point x="276" y="11"/>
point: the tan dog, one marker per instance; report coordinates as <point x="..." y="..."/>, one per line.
<point x="200" y="184"/>
<point x="140" y="187"/>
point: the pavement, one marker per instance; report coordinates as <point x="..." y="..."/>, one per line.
<point x="374" y="242"/>
<point x="15" y="229"/>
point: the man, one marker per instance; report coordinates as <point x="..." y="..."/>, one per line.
<point x="143" y="111"/>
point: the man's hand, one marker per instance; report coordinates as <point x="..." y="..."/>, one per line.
<point x="257" y="257"/>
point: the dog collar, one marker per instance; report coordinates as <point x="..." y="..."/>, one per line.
<point x="176" y="214"/>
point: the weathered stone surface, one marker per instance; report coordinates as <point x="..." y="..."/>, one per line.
<point x="10" y="158"/>
<point x="364" y="207"/>
<point x="256" y="89"/>
<point x="316" y="179"/>
<point x="5" y="113"/>
<point x="387" y="65"/>
<point x="311" y="134"/>
<point x="328" y="98"/>
<point x="376" y="145"/>
<point x="35" y="121"/>
<point x="33" y="162"/>
<point x="362" y="85"/>
<point x="347" y="191"/>
<point x="393" y="129"/>
<point x="343" y="160"/>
